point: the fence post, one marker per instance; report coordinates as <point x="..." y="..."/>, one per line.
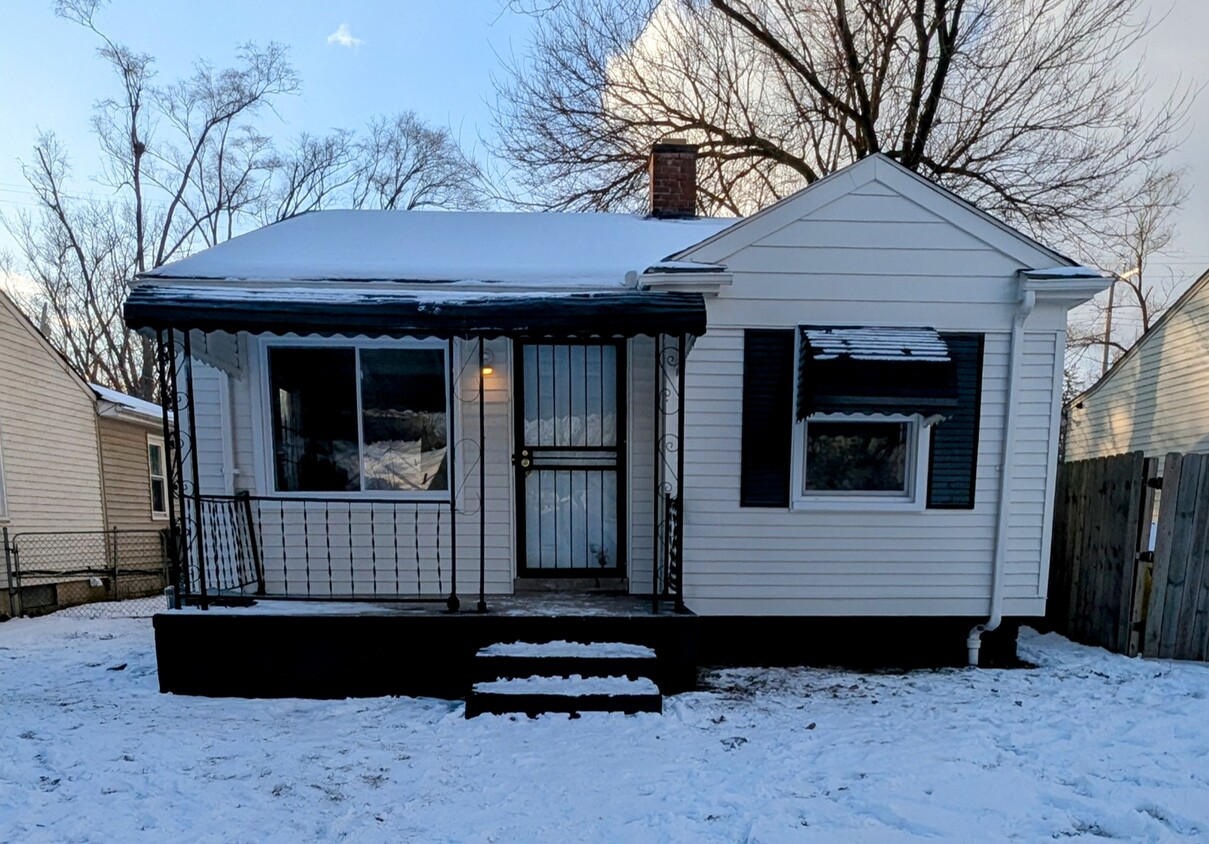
<point x="8" y="566"/>
<point x="113" y="555"/>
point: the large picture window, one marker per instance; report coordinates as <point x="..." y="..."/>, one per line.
<point x="862" y="457"/>
<point x="358" y="419"/>
<point x="859" y="460"/>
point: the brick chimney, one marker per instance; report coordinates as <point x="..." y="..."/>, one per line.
<point x="673" y="171"/>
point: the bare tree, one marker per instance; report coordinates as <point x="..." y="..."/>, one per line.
<point x="1020" y="106"/>
<point x="397" y="163"/>
<point x="404" y="164"/>
<point x="79" y="254"/>
<point x="183" y="168"/>
<point x="1140" y="231"/>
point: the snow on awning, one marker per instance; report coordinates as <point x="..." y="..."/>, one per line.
<point x="882" y="370"/>
<point x="378" y="312"/>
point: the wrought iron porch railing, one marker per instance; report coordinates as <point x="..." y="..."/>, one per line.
<point x="325" y="548"/>
<point x="672" y="549"/>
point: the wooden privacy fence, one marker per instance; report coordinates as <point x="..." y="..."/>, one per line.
<point x="1116" y="579"/>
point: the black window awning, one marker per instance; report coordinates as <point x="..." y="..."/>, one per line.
<point x="442" y="313"/>
<point x="875" y="370"/>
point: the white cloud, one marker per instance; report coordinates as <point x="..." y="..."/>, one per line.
<point x="344" y="37"/>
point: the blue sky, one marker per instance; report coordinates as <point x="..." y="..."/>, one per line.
<point x="436" y="58"/>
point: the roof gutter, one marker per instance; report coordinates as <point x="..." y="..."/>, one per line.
<point x="1028" y="301"/>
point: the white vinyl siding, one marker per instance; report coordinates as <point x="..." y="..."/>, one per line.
<point x="126" y="473"/>
<point x="867" y="255"/>
<point x="52" y="467"/>
<point x="741" y="560"/>
<point x="1157" y="399"/>
<point x="212" y="411"/>
<point x="640" y="407"/>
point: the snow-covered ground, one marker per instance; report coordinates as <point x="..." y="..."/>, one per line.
<point x="1087" y="746"/>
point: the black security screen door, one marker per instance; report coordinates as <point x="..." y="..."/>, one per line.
<point x="570" y="442"/>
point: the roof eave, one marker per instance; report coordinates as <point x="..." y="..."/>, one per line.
<point x="1067" y="290"/>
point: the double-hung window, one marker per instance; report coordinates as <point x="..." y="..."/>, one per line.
<point x="3" y="494"/>
<point x="157" y="471"/>
<point x="349" y="419"/>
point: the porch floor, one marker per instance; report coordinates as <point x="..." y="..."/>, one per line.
<point x="537" y="604"/>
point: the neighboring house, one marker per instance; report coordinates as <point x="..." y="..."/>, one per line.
<point x="48" y="435"/>
<point x="74" y="463"/>
<point x="843" y="407"/>
<point x="1155" y="399"/>
<point x="132" y="461"/>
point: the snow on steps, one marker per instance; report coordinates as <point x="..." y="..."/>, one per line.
<point x="561" y="676"/>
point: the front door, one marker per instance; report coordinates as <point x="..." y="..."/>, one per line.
<point x="570" y="459"/>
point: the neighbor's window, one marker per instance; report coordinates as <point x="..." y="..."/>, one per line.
<point x="854" y="457"/>
<point x="352" y="419"/>
<point x="3" y="499"/>
<point x="156" y="467"/>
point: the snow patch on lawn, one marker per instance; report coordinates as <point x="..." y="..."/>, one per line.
<point x="1088" y="745"/>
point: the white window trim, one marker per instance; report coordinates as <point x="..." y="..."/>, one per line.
<point x="3" y="488"/>
<point x="916" y="496"/>
<point x="158" y="515"/>
<point x="263" y="385"/>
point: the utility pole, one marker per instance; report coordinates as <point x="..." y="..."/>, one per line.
<point x="1112" y="290"/>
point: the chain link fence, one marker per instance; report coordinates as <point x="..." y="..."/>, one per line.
<point x="88" y="574"/>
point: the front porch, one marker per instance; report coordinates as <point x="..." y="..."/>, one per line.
<point x="539" y="454"/>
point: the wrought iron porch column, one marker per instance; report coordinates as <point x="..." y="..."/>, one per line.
<point x="165" y="359"/>
<point x="482" y="485"/>
<point x="196" y="472"/>
<point x="451" y="473"/>
<point x="679" y="539"/>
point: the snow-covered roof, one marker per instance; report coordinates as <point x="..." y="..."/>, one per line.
<point x="521" y="249"/>
<point x="129" y="404"/>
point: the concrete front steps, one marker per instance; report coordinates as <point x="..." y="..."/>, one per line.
<point x="569" y="677"/>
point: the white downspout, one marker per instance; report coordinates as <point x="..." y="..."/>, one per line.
<point x="1028" y="301"/>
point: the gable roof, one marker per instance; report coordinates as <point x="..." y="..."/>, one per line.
<point x="1176" y="307"/>
<point x="883" y="169"/>
<point x="548" y="250"/>
<point x="59" y="358"/>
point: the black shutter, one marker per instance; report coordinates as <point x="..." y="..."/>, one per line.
<point x="953" y="469"/>
<point x="767" y="441"/>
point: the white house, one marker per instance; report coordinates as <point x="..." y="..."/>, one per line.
<point x="844" y="406"/>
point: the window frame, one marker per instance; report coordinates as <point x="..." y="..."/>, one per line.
<point x="264" y="385"/>
<point x="157" y="440"/>
<point x="916" y="470"/>
<point x="3" y="488"/>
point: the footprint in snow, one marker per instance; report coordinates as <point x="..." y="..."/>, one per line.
<point x="733" y="742"/>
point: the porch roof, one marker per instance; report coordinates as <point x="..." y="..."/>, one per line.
<point x="410" y="312"/>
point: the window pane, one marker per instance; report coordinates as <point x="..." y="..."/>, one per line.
<point x="856" y="457"/>
<point x="159" y="503"/>
<point x="155" y="457"/>
<point x="314" y="396"/>
<point x="403" y="419"/>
